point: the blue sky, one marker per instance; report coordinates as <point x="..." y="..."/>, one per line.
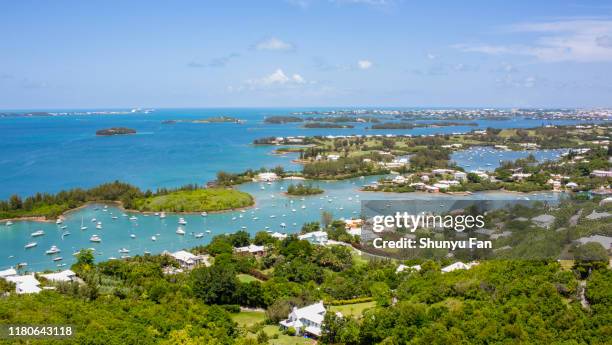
<point x="82" y="54"/>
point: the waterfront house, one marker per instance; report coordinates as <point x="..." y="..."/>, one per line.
<point x="188" y="260"/>
<point x="63" y="276"/>
<point x="8" y="273"/>
<point x="399" y="179"/>
<point x="267" y="177"/>
<point x="441" y="186"/>
<point x="602" y="173"/>
<point x="279" y="235"/>
<point x="25" y="284"/>
<point x="520" y="176"/>
<point x="432" y="189"/>
<point x="442" y="171"/>
<point x="251" y="249"/>
<point x="460" y="176"/>
<point x="315" y="237"/>
<point x="307" y="320"/>
<point x="418" y="185"/>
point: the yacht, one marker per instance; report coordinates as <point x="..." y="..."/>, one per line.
<point x="30" y="245"/>
<point x="83" y="227"/>
<point x="162" y="215"/>
<point x="58" y="221"/>
<point x="95" y="238"/>
<point x="65" y="233"/>
<point x="208" y="231"/>
<point x="93" y="220"/>
<point x="124" y="250"/>
<point x="99" y="225"/>
<point x="59" y="258"/>
<point x="182" y="221"/>
<point x="180" y="231"/>
<point x="133" y="218"/>
<point x="114" y="217"/>
<point x="53" y="250"/>
<point x="9" y="223"/>
<point x="133" y="236"/>
<point x="146" y="252"/>
<point x="204" y="214"/>
<point x="153" y="238"/>
<point x="37" y="233"/>
<point x="63" y="227"/>
<point x="199" y="235"/>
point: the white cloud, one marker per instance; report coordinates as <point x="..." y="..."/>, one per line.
<point x="276" y="79"/>
<point x="364" y="64"/>
<point x="431" y="56"/>
<point x="274" y="43"/>
<point x="567" y="40"/>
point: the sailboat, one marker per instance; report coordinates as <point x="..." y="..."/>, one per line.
<point x="180" y="231"/>
<point x="83" y="227"/>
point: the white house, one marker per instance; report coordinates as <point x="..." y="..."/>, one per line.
<point x="315" y="237"/>
<point x="25" y="284"/>
<point x="8" y="273"/>
<point x="333" y="157"/>
<point x="267" y="177"/>
<point x="306" y="320"/>
<point x="63" y="276"/>
<point x="279" y="235"/>
<point x="602" y="173"/>
<point x="460" y="175"/>
<point x="520" y="176"/>
<point x="188" y="260"/>
<point x="251" y="249"/>
<point x="458" y="266"/>
<point x="399" y="179"/>
<point x="441" y="185"/>
<point x="402" y="268"/>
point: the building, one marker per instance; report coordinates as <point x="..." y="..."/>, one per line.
<point x="8" y="273"/>
<point x="402" y="268"/>
<point x="602" y="173"/>
<point x="188" y="260"/>
<point x="251" y="249"/>
<point x="458" y="266"/>
<point x="279" y="235"/>
<point x="25" y="284"/>
<point x="63" y="276"/>
<point x="315" y="237"/>
<point x="267" y="177"/>
<point x="399" y="179"/>
<point x="520" y="176"/>
<point x="605" y="241"/>
<point x="307" y="320"/>
<point x="543" y="220"/>
<point x="460" y="176"/>
<point x="333" y="157"/>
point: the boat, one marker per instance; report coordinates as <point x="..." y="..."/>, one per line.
<point x="180" y="231"/>
<point x="124" y="250"/>
<point x="95" y="238"/>
<point x="133" y="218"/>
<point x="162" y="215"/>
<point x="153" y="238"/>
<point x="182" y="221"/>
<point x="63" y="227"/>
<point x="9" y="223"/>
<point x="93" y="220"/>
<point x="204" y="214"/>
<point x="37" y="233"/>
<point x="146" y="252"/>
<point x="124" y="215"/>
<point x="133" y="236"/>
<point x="59" y="258"/>
<point x="60" y="265"/>
<point x="83" y="227"/>
<point x="53" y="250"/>
<point x="114" y="217"/>
<point x="59" y="221"/>
<point x="208" y="231"/>
<point x="199" y="235"/>
<point x="65" y="233"/>
<point x="125" y="256"/>
<point x="22" y="265"/>
<point x="30" y="245"/>
<point x="283" y="225"/>
<point x="112" y="258"/>
<point x="99" y="225"/>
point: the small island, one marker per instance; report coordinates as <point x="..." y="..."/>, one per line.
<point x="115" y="131"/>
<point x="219" y="119"/>
<point x="302" y="189"/>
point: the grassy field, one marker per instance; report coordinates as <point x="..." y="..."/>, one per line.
<point x="246" y="278"/>
<point x="355" y="310"/>
<point x="248" y="318"/>
<point x="214" y="199"/>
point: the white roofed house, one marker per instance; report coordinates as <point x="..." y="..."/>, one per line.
<point x="25" y="284"/>
<point x="315" y="237"/>
<point x="189" y="260"/>
<point x="251" y="249"/>
<point x="267" y="177"/>
<point x="63" y="276"/>
<point x="306" y="320"/>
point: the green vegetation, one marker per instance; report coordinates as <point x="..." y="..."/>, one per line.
<point x="326" y="125"/>
<point x="282" y="119"/>
<point x="219" y="119"/>
<point x="186" y="198"/>
<point x="213" y="199"/>
<point x="302" y="189"/>
<point x="115" y="131"/>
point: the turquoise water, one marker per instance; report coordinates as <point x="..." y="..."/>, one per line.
<point x="47" y="154"/>
<point x="488" y="159"/>
<point x="272" y="209"/>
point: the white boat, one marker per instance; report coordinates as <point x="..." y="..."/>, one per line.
<point x="180" y="231"/>
<point x="53" y="250"/>
<point x="204" y="214"/>
<point x="199" y="235"/>
<point x="65" y="233"/>
<point x="83" y="227"/>
<point x="153" y="238"/>
<point x="303" y="206"/>
<point x="133" y="236"/>
<point x="162" y="215"/>
<point x="124" y="215"/>
<point x="93" y="220"/>
<point x="114" y="217"/>
<point x="133" y="218"/>
<point x="59" y="258"/>
<point x="95" y="238"/>
<point x="37" y="233"/>
<point x="9" y="223"/>
<point x="283" y="225"/>
<point x="58" y="221"/>
<point x="208" y="231"/>
<point x="63" y="227"/>
<point x="182" y="221"/>
<point x="60" y="265"/>
<point x="146" y="252"/>
<point x="124" y="250"/>
<point x="30" y="245"/>
<point x="99" y="225"/>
